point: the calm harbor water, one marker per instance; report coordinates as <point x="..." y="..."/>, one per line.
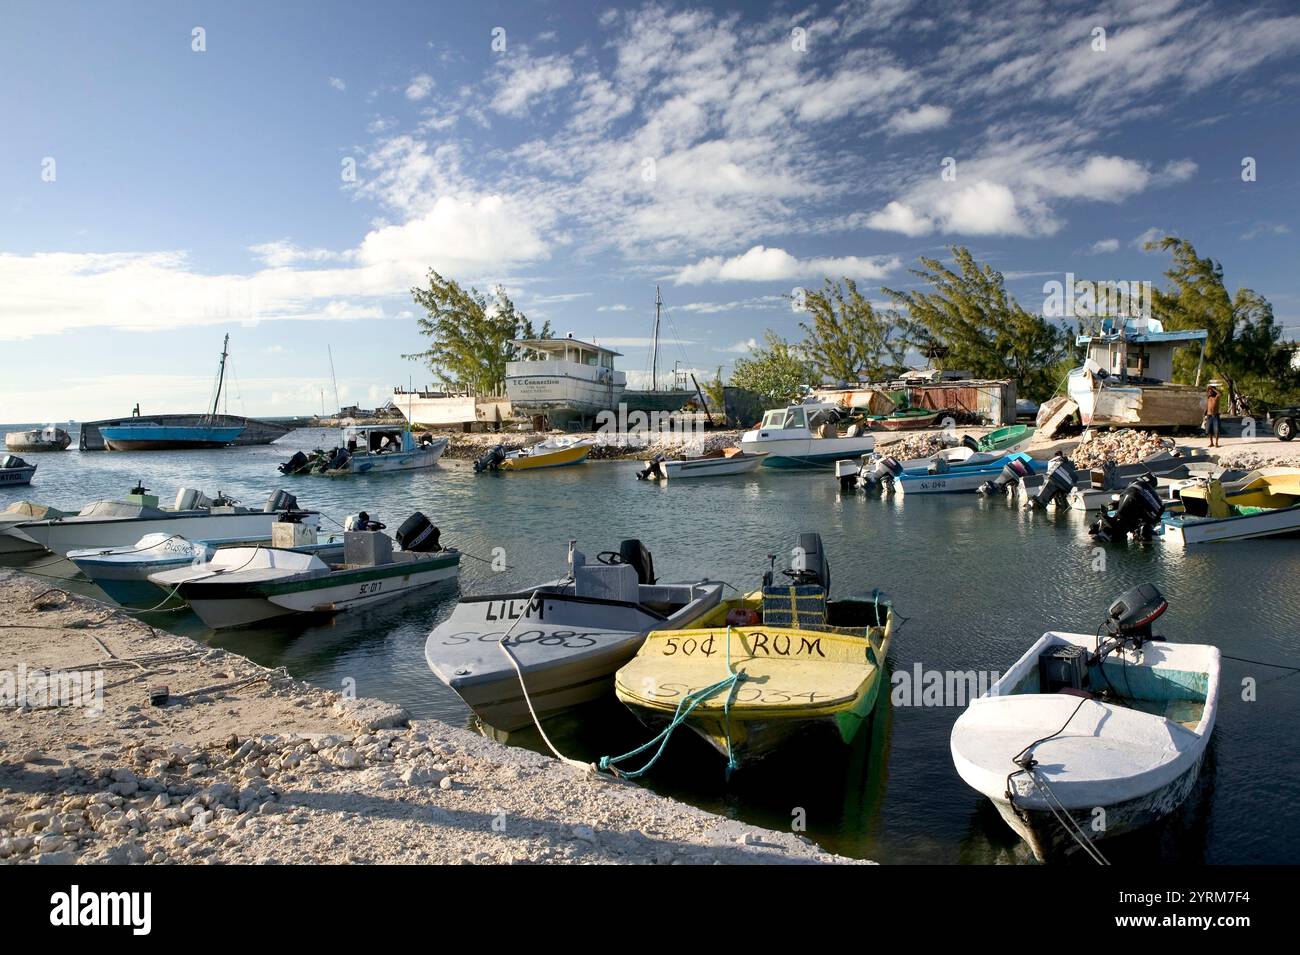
<point x="977" y="581"/>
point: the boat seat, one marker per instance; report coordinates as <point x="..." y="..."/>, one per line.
<point x="797" y="606"/>
<point x="607" y="582"/>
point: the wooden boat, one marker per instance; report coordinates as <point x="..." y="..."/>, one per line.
<point x="242" y="586"/>
<point x="1263" y="503"/>
<point x="38" y="440"/>
<point x="14" y="471"/>
<point x="1126" y="378"/>
<point x="567" y="636"/>
<point x="144" y="435"/>
<point x="12" y="538"/>
<point x="105" y="524"/>
<point x="1084" y="739"/>
<point x="913" y="419"/>
<point x="758" y="670"/>
<point x="720" y="463"/>
<point x="792" y="437"/>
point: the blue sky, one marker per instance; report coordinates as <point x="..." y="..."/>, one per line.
<point x="717" y="151"/>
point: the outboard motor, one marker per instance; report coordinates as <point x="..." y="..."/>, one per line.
<point x="295" y="465"/>
<point x="1137" y="512"/>
<point x="1133" y="612"/>
<point x="652" y="471"/>
<point x="491" y="459"/>
<point x="337" y="459"/>
<point x="809" y="565"/>
<point x="881" y="474"/>
<point x="1061" y="479"/>
<point x="633" y="552"/>
<point x="280" y="501"/>
<point x="418" y="534"/>
<point x="1010" y="477"/>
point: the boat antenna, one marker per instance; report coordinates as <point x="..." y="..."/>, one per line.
<point x="221" y="374"/>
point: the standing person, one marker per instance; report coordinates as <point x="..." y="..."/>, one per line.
<point x="1212" y="415"/>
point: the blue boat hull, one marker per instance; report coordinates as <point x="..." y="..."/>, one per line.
<point x="155" y="438"/>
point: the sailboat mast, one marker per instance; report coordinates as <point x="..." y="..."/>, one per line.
<point x="221" y="374"/>
<point x="334" y="377"/>
<point x="654" y="346"/>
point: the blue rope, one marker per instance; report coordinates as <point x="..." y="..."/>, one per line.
<point x="684" y="708"/>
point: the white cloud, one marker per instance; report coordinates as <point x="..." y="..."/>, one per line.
<point x="419" y="87"/>
<point x="898" y="217"/>
<point x="920" y="120"/>
<point x="762" y="264"/>
<point x="283" y="252"/>
<point x="338" y="84"/>
<point x="527" y="78"/>
<point x="612" y="308"/>
<point x="743" y="348"/>
<point x="1154" y="234"/>
<point x="1104" y="246"/>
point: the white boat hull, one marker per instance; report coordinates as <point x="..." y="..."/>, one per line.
<point x="450" y="411"/>
<point x="710" y="467"/>
<point x="562" y="389"/>
<point x="394" y="461"/>
<point x="74" y="533"/>
<point x="1181" y="530"/>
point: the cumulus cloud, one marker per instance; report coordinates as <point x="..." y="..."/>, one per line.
<point x="419" y="87"/>
<point x="1104" y="246"/>
<point x="762" y="264"/>
<point x="338" y="84"/>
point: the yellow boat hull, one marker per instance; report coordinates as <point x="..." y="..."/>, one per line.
<point x="549" y="459"/>
<point x="793" y="679"/>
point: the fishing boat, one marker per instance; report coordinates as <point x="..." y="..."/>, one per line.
<point x="563" y="380"/>
<point x="561" y="640"/>
<point x="1170" y="470"/>
<point x="152" y="436"/>
<point x="721" y="463"/>
<point x="12" y="539"/>
<point x="875" y="467"/>
<point x="1126" y="378"/>
<point x="952" y="479"/>
<point x="1085" y="738"/>
<point x="908" y="419"/>
<point x="1263" y="503"/>
<point x="554" y="452"/>
<point x="15" y="471"/>
<point x="243" y="586"/>
<point x="38" y="440"/>
<point x="804" y="436"/>
<point x="105" y="524"/>
<point x="761" y="669"/>
<point x="370" y="449"/>
<point x="123" y="572"/>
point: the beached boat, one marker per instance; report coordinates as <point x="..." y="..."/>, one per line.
<point x="911" y="419"/>
<point x="106" y="524"/>
<point x="38" y="440"/>
<point x="1084" y="739"/>
<point x="1126" y="378"/>
<point x="721" y="463"/>
<point x="12" y="539"/>
<point x="562" y="639"/>
<point x="1263" y="503"/>
<point x="123" y="572"/>
<point x="804" y="436"/>
<point x="152" y="436"/>
<point x="15" y="471"/>
<point x="243" y="586"/>
<point x="758" y="670"/>
<point x="1171" y="471"/>
<point x="563" y="380"/>
<point x="554" y="452"/>
<point x="952" y="479"/>
<point x="368" y="449"/>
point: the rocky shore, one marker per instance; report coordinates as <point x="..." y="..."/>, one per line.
<point x="241" y="764"/>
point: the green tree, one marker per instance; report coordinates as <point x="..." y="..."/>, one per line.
<point x="1243" y="347"/>
<point x="715" y="394"/>
<point x="470" y="337"/>
<point x="847" y="338"/>
<point x="974" y="323"/>
<point x="776" y="370"/>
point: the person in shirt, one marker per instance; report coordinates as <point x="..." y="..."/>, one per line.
<point x="1212" y="415"/>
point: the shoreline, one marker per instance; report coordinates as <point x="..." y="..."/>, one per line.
<point x="249" y="765"/>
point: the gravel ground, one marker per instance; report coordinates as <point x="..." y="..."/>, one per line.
<point x="247" y="765"/>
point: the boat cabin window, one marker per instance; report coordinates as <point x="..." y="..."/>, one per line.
<point x="785" y="418"/>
